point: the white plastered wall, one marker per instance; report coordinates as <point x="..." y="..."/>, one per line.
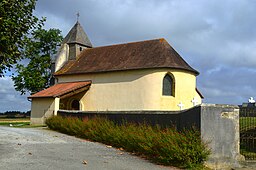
<point x="43" y="108"/>
<point x="62" y="56"/>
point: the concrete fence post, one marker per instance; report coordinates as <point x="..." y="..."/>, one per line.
<point x="220" y="129"/>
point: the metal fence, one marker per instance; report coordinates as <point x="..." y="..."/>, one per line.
<point x="248" y="130"/>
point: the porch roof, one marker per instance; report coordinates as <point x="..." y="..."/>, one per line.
<point x="63" y="90"/>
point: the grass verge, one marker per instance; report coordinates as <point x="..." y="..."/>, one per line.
<point x="14" y="124"/>
<point x="166" y="146"/>
<point x="18" y="123"/>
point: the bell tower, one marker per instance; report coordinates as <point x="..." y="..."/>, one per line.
<point x="73" y="44"/>
<point x="77" y="40"/>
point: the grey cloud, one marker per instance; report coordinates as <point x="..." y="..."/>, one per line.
<point x="227" y="85"/>
<point x="11" y="99"/>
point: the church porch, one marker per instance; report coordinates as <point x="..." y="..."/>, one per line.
<point x="67" y="96"/>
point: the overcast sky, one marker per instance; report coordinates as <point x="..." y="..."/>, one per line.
<point x="216" y="37"/>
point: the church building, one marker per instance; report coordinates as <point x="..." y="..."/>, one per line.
<point x="136" y="76"/>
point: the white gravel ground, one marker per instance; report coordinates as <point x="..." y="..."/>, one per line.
<point x="40" y="149"/>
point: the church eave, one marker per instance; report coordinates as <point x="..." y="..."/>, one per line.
<point x="86" y="45"/>
<point x="195" y="72"/>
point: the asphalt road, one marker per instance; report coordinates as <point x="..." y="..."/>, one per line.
<point x="40" y="149"/>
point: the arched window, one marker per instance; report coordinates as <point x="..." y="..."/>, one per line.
<point x="168" y="85"/>
<point x="75" y="105"/>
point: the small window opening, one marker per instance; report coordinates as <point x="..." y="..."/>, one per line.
<point x="81" y="49"/>
<point x="75" y="105"/>
<point x="168" y="86"/>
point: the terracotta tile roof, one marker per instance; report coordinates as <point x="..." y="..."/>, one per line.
<point x="61" y="89"/>
<point x="137" y="55"/>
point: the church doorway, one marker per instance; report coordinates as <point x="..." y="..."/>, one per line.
<point x="75" y="104"/>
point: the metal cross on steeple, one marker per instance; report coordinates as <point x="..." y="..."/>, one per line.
<point x="78" y="15"/>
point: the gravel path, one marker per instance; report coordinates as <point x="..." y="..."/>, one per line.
<point x="39" y="148"/>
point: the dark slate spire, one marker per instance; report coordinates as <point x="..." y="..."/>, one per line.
<point x="77" y="41"/>
<point x="77" y="36"/>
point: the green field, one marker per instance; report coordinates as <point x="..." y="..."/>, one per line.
<point x="15" y="122"/>
<point x="18" y="122"/>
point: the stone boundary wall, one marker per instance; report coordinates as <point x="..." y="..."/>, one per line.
<point x="218" y="124"/>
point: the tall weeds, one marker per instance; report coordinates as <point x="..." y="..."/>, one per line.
<point x="166" y="146"/>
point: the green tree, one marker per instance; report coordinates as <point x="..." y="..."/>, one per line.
<point x="16" y="21"/>
<point x="39" y="49"/>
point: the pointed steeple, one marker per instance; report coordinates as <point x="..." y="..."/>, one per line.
<point x="77" y="40"/>
<point x="77" y="36"/>
<point x="72" y="45"/>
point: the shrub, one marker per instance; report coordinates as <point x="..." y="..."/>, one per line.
<point x="167" y="146"/>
